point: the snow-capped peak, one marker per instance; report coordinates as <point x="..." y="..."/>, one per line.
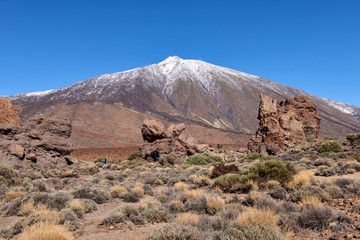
<point x="171" y="59"/>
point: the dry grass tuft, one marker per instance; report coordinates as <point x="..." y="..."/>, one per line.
<point x="12" y="194"/>
<point x="311" y="200"/>
<point x="77" y="206"/>
<point x="214" y="204"/>
<point x="26" y="208"/>
<point x="188" y="219"/>
<point x="139" y="189"/>
<point x="194" y="194"/>
<point x="257" y="217"/>
<point x="46" y="231"/>
<point x="254" y="195"/>
<point x="254" y="184"/>
<point x="301" y="179"/>
<point x="45" y="215"/>
<point x="117" y="190"/>
<point x="181" y="186"/>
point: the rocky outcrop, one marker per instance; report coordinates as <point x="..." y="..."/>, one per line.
<point x="162" y="142"/>
<point x="285" y="124"/>
<point x="41" y="140"/>
<point x="8" y="113"/>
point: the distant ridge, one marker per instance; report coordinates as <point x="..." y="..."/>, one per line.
<point x="186" y="90"/>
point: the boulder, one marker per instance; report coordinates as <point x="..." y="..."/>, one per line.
<point x="176" y="130"/>
<point x="153" y="130"/>
<point x="174" y="140"/>
<point x="8" y="113"/>
<point x="285" y="124"/>
<point x="44" y="140"/>
<point x="16" y="150"/>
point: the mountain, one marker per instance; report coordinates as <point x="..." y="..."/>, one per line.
<point x="210" y="98"/>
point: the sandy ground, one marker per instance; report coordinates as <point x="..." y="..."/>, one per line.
<point x="90" y="228"/>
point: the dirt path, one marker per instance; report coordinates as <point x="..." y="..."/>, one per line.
<point x="90" y="228"/>
<point x="7" y="221"/>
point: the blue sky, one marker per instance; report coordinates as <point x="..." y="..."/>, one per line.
<point x="311" y="45"/>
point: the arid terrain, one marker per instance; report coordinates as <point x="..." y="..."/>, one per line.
<point x="304" y="193"/>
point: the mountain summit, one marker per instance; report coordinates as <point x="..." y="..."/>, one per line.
<point x="193" y="91"/>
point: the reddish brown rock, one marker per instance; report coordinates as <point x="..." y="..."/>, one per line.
<point x="8" y="113"/>
<point x="47" y="137"/>
<point x="285" y="124"/>
<point x="153" y="130"/>
<point x="16" y="150"/>
<point x="173" y="140"/>
<point x="31" y="157"/>
<point x="176" y="130"/>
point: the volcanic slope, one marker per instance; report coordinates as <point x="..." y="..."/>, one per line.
<point x="206" y="96"/>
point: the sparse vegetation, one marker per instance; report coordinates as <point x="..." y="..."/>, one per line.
<point x="331" y="146"/>
<point x="202" y="159"/>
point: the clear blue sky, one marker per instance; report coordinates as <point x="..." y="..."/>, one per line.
<point x="312" y="45"/>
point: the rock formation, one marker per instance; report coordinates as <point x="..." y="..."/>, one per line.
<point x="162" y="142"/>
<point x="8" y="113"/>
<point x="42" y="139"/>
<point x="285" y="124"/>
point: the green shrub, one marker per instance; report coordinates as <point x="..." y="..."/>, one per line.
<point x="8" y="175"/>
<point x="252" y="232"/>
<point x="308" y="192"/>
<point x="155" y="214"/>
<point x="123" y="214"/>
<point x="175" y="232"/>
<point x="353" y="137"/>
<point x="134" y="155"/>
<point x="253" y="156"/>
<point x="202" y="159"/>
<point x="232" y="183"/>
<point x="270" y="170"/>
<point x="330" y="146"/>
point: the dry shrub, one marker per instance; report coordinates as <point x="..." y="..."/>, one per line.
<point x="311" y="200"/>
<point x="13" y="194"/>
<point x="257" y="217"/>
<point x="214" y="204"/>
<point x="301" y="179"/>
<point x="139" y="189"/>
<point x="46" y="231"/>
<point x="188" y="219"/>
<point x="77" y="206"/>
<point x="202" y="180"/>
<point x="180" y="186"/>
<point x="45" y="215"/>
<point x="316" y="217"/>
<point x="26" y="208"/>
<point x="117" y="190"/>
<point x="253" y="196"/>
<point x="273" y="183"/>
<point x="177" y="205"/>
<point x="194" y="194"/>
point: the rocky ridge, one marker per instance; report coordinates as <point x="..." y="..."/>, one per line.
<point x="44" y="140"/>
<point x="285" y="124"/>
<point x="168" y="143"/>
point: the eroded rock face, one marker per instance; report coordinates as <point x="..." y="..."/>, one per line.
<point x="42" y="139"/>
<point x="163" y="141"/>
<point x="8" y="113"/>
<point x="285" y="124"/>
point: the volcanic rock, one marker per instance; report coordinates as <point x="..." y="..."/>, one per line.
<point x="285" y="124"/>
<point x="153" y="130"/>
<point x="42" y="139"/>
<point x="162" y="142"/>
<point x="8" y="113"/>
<point x="16" y="150"/>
